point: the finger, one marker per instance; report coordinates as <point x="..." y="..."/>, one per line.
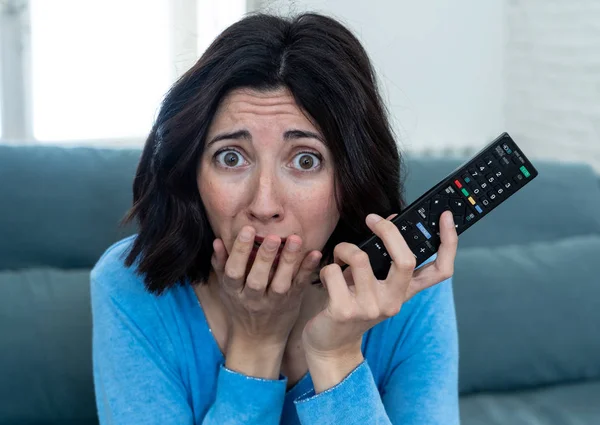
<point x="258" y="278"/>
<point x="403" y="259"/>
<point x="307" y="272"/>
<point x="448" y="246"/>
<point x="289" y="262"/>
<point x="235" y="267"/>
<point x="391" y="217"/>
<point x="219" y="257"/>
<point x="359" y="265"/>
<point x="333" y="280"/>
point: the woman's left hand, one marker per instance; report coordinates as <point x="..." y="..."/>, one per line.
<point x="358" y="300"/>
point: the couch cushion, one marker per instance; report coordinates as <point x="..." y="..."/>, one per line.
<point x="528" y="314"/>
<point x="61" y="206"/>
<point x="45" y="348"/>
<point x="575" y="404"/>
<point x="562" y="201"/>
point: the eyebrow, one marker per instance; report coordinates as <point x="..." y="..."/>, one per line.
<point x="245" y="135"/>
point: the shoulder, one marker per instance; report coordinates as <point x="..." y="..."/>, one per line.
<point x="110" y="272"/>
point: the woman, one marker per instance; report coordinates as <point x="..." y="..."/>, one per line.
<point x="270" y="160"/>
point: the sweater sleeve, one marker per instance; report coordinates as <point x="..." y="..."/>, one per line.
<point x="137" y="368"/>
<point x="420" y="386"/>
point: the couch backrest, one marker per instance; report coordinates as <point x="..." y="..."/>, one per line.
<point x="525" y="292"/>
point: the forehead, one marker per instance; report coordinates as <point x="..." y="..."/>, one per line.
<point x="247" y="103"/>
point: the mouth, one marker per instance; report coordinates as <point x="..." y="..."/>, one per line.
<point x="258" y="240"/>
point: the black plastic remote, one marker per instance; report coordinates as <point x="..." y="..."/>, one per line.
<point x="471" y="191"/>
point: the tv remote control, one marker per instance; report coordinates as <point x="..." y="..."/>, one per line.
<point x="471" y="191"/>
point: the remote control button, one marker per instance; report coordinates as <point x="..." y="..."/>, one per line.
<point x="458" y="220"/>
<point x="423" y="251"/>
<point x="498" y="174"/>
<point x="469" y="218"/>
<point x="481" y="167"/>
<point x="465" y="192"/>
<point x="476" y="191"/>
<point x="507" y="185"/>
<point x="457" y="184"/>
<point x="467" y="179"/>
<point x="423" y="230"/>
<point x="457" y="206"/>
<point x="524" y="171"/>
<point x="478" y="208"/>
<point x="433" y="224"/>
<point x="476" y="175"/>
<point x="518" y="179"/>
<point x="381" y="248"/>
<point x="424" y="210"/>
<point x="490" y="178"/>
<point x="484" y="185"/>
<point x="493" y="196"/>
<point x="488" y="161"/>
<point x="499" y="190"/>
<point x="414" y="237"/>
<point x="449" y="191"/>
<point x="498" y="152"/>
<point x="471" y="200"/>
<point x="438" y="204"/>
<point x="506" y="148"/>
<point x="485" y="201"/>
<point x="405" y="228"/>
<point x="505" y="161"/>
<point x="520" y="160"/>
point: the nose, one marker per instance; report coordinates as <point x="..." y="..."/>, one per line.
<point x="265" y="204"/>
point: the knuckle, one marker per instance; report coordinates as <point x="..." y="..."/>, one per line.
<point x="233" y="272"/>
<point x="242" y="248"/>
<point x="407" y="262"/>
<point x="253" y="284"/>
<point x="265" y="256"/>
<point x="280" y="288"/>
<point x="372" y="313"/>
<point x="330" y="270"/>
<point x="287" y="257"/>
<point x="344" y="314"/>
<point x="360" y="259"/>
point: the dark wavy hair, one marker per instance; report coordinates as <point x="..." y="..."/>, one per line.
<point x="330" y="76"/>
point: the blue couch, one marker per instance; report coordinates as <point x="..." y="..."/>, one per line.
<point x="526" y="288"/>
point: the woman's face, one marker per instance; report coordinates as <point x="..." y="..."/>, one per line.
<point x="265" y="165"/>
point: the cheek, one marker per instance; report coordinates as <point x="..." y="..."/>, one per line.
<point x="218" y="207"/>
<point x="318" y="206"/>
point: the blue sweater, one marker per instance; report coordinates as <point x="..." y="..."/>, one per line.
<point x="156" y="362"/>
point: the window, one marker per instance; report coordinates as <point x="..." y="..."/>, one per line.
<point x="95" y="71"/>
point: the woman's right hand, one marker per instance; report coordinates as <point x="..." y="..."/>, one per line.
<point x="262" y="313"/>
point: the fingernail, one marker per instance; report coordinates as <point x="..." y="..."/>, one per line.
<point x="293" y="245"/>
<point x="373" y="218"/>
<point x="271" y="244"/>
<point x="314" y="262"/>
<point x="246" y="235"/>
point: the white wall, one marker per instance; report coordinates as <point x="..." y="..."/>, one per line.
<point x="553" y="78"/>
<point x="440" y="62"/>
